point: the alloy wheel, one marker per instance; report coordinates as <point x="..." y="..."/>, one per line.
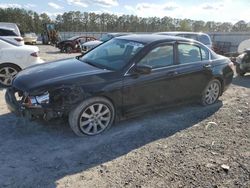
<point x="95" y="118"/>
<point x="69" y="49"/>
<point x="212" y="93"/>
<point x="6" y="75"/>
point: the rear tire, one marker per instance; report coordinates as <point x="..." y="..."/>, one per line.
<point x="211" y="93"/>
<point x="7" y="73"/>
<point x="92" y="116"/>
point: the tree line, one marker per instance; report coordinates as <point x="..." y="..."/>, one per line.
<point x="76" y="21"/>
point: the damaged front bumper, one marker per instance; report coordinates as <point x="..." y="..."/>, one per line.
<point x="17" y="103"/>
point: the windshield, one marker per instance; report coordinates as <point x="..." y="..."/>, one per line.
<point x="112" y="55"/>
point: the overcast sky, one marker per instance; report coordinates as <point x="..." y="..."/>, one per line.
<point x="206" y="10"/>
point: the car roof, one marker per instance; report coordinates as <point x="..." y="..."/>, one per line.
<point x="180" y="32"/>
<point x="6" y="28"/>
<point x="149" y="38"/>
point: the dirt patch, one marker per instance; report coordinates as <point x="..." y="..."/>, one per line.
<point x="188" y="146"/>
<point x="50" y="53"/>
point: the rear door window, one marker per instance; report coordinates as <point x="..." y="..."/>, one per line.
<point x="160" y="56"/>
<point x="188" y="53"/>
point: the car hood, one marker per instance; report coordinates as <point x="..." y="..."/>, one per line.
<point x="53" y="74"/>
<point x="92" y="43"/>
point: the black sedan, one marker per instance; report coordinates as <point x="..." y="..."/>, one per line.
<point x="123" y="76"/>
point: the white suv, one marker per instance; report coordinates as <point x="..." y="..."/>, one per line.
<point x="9" y="34"/>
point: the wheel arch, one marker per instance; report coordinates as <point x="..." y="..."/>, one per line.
<point x="12" y="64"/>
<point x="221" y="80"/>
<point x="118" y="112"/>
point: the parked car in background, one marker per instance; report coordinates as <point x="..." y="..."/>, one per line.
<point x="9" y="34"/>
<point x="73" y="44"/>
<point x="91" y="44"/>
<point x="14" y="58"/>
<point x="201" y="37"/>
<point x="30" y="38"/>
<point x="121" y="77"/>
<point x="242" y="62"/>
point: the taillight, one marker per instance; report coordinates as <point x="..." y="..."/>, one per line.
<point x="34" y="54"/>
<point x="18" y="39"/>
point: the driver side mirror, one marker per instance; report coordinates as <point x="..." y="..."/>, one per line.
<point x="143" y="69"/>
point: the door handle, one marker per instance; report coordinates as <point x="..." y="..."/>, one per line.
<point x="207" y="66"/>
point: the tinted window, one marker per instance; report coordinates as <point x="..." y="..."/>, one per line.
<point x="159" y="57"/>
<point x="5" y="32"/>
<point x="188" y="53"/>
<point x="204" y="39"/>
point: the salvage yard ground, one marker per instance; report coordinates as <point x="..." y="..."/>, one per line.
<point x="188" y="146"/>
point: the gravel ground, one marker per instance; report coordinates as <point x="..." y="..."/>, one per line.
<point x="188" y="146"/>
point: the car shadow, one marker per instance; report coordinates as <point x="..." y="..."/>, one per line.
<point x="243" y="81"/>
<point x="44" y="152"/>
<point x="54" y="52"/>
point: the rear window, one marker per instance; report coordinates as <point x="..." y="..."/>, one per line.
<point x="6" y="32"/>
<point x="204" y="39"/>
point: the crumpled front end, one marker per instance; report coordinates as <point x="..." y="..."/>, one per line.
<point x="23" y="104"/>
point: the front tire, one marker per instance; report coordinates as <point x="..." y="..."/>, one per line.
<point x="211" y="93"/>
<point x="7" y="73"/>
<point x="92" y="116"/>
<point x="68" y="49"/>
